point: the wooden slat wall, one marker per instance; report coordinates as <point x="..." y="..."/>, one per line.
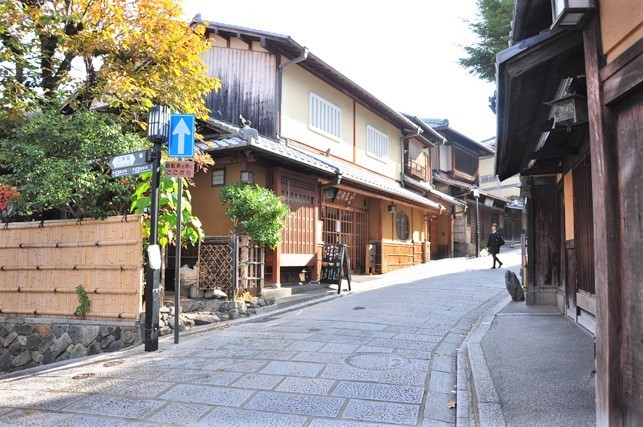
<point x="396" y="256"/>
<point x="248" y="80"/>
<point x="40" y="267"/>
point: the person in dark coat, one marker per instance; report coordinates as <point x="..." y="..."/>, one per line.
<point x="493" y="244"/>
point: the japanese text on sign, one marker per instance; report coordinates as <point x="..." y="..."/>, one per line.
<point x="180" y="169"/>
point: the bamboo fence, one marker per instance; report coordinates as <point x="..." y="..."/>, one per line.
<point x="42" y="263"/>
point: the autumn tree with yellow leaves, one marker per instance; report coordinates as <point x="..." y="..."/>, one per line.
<point x="120" y="54"/>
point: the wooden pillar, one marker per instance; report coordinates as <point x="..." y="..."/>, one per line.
<point x="607" y="239"/>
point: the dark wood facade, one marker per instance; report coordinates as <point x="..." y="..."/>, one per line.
<point x="600" y="272"/>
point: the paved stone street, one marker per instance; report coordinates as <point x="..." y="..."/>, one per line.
<point x="384" y="354"/>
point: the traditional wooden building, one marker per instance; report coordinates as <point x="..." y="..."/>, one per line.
<point x="570" y="119"/>
<point x="456" y="171"/>
<point x="338" y="156"/>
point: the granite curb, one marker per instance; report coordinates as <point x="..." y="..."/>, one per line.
<point x="474" y="383"/>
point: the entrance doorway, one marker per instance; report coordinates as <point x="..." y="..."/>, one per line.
<point x="347" y="226"/>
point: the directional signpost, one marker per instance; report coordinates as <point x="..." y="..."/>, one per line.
<point x="130" y="163"/>
<point x="180" y="145"/>
<point x="181" y="142"/>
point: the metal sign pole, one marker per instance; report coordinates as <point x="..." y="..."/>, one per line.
<point x="177" y="262"/>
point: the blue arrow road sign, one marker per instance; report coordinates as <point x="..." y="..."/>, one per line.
<point x="181" y="135"/>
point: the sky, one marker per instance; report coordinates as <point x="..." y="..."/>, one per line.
<point x="404" y="52"/>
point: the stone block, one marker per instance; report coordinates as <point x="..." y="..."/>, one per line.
<point x="36" y="356"/>
<point x="22" y="359"/>
<point x="46" y="343"/>
<point x="8" y="340"/>
<point x="95" y="348"/>
<point x="107" y="341"/>
<point x="24" y="329"/>
<point x="116" y="345"/>
<point x="129" y="337"/>
<point x="43" y="330"/>
<point x="58" y="329"/>
<point x="33" y="342"/>
<point x="61" y="344"/>
<point x="79" y="350"/>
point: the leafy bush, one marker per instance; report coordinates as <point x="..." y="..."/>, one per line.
<point x="255" y="211"/>
<point x="61" y="162"/>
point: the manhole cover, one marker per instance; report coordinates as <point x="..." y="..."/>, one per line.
<point x="83" y="376"/>
<point x="113" y="363"/>
<point x="375" y="361"/>
<point x="359" y="308"/>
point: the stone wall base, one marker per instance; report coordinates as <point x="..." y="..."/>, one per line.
<point x="28" y="342"/>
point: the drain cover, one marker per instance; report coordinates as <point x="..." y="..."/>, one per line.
<point x="83" y="376"/>
<point x="113" y="363"/>
<point x="375" y="361"/>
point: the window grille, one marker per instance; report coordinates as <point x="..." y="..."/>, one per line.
<point x="325" y="116"/>
<point x="376" y="143"/>
<point x="402" y="226"/>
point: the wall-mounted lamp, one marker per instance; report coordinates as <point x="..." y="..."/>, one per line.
<point x="329" y="193"/>
<point x="570" y="110"/>
<point x="570" y="13"/>
<point x="247" y="177"/>
<point x="391" y="208"/>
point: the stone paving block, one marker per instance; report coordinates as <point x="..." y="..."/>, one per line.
<point x="115" y="406"/>
<point x="373" y="349"/>
<point x="179" y="413"/>
<point x="210" y="395"/>
<point x="40" y="383"/>
<point x="364" y="333"/>
<point x="342" y="423"/>
<point x="401" y="329"/>
<point x="383" y="392"/>
<point x="144" y="390"/>
<point x="430" y="422"/>
<point x="258" y="381"/>
<point x="277" y="355"/>
<point x="193" y="376"/>
<point x="403" y="344"/>
<point x="382" y="412"/>
<point x="37" y="419"/>
<point x="339" y="348"/>
<point x="245" y="418"/>
<point x="448" y="348"/>
<point x="419" y="337"/>
<point x="321" y="357"/>
<point x="305" y="346"/>
<point x="414" y="354"/>
<point x="437" y="406"/>
<point x="442" y="381"/>
<point x="300" y="369"/>
<point x="342" y="372"/>
<point x="317" y="406"/>
<point x="233" y="365"/>
<point x="404" y="377"/>
<point x="37" y="400"/>
<point x="444" y="363"/>
<point x="306" y="385"/>
<point x="341" y="339"/>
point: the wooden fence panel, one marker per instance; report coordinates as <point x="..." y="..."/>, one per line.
<point x="42" y="263"/>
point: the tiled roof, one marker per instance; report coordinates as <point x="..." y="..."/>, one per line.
<point x="311" y="160"/>
<point x="264" y="145"/>
<point x="371" y="180"/>
<point x="436" y="123"/>
<point x="440" y="195"/>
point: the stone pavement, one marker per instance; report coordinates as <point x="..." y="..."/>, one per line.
<point x="384" y="354"/>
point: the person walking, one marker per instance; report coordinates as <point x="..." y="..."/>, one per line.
<point x="493" y="243"/>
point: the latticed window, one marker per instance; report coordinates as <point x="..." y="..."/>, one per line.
<point x="376" y="143"/>
<point x="325" y="116"/>
<point x="402" y="226"/>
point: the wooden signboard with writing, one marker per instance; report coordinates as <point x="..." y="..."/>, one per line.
<point x="335" y="262"/>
